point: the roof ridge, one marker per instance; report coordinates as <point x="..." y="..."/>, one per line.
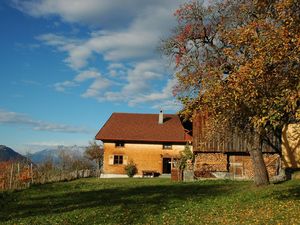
<point x="142" y="126"/>
<point x="144" y="113"/>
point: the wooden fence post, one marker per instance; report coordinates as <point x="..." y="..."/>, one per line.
<point x="28" y="181"/>
<point x="31" y="173"/>
<point x="18" y="175"/>
<point x="11" y="174"/>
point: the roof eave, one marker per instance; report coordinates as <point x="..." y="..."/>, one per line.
<point x="141" y="140"/>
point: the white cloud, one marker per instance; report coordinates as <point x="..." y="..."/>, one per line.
<point x="136" y="88"/>
<point x="165" y="94"/>
<point x="62" y="43"/>
<point x="62" y="86"/>
<point x="86" y="75"/>
<point x="117" y="70"/>
<point x="97" y="88"/>
<point x="13" y="117"/>
<point x="114" y="46"/>
<point x="139" y="81"/>
<point x="139" y="77"/>
<point x="102" y="13"/>
<point x="116" y="66"/>
<point x="135" y="40"/>
<point x="114" y="96"/>
<point x="7" y="117"/>
<point x="130" y="33"/>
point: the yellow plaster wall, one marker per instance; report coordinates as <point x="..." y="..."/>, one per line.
<point x="291" y="146"/>
<point x="145" y="156"/>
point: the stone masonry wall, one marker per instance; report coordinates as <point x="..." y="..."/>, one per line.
<point x="240" y="166"/>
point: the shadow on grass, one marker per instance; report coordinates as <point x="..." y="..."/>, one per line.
<point x="123" y="203"/>
<point x="291" y="193"/>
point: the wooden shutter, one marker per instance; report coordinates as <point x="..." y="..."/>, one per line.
<point x="125" y="159"/>
<point x="111" y="160"/>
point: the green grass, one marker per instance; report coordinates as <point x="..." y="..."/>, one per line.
<point x="152" y="201"/>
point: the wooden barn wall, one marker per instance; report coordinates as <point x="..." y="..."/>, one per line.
<point x="230" y="142"/>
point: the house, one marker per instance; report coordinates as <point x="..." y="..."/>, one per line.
<point x="291" y="148"/>
<point x="151" y="141"/>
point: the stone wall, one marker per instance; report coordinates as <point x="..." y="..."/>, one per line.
<point x="238" y="166"/>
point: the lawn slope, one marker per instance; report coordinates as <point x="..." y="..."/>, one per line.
<point x="152" y="201"/>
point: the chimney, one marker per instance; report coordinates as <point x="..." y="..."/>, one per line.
<point x="161" y="117"/>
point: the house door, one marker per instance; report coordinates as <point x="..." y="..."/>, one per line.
<point x="166" y="165"/>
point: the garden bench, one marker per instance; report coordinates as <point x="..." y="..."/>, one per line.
<point x="149" y="173"/>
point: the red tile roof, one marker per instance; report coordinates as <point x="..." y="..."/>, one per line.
<point x="143" y="128"/>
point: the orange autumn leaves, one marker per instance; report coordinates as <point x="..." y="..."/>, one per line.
<point x="265" y="57"/>
<point x="239" y="59"/>
<point x="14" y="175"/>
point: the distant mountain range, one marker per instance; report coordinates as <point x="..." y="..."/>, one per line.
<point x="8" y="154"/>
<point x="53" y="154"/>
<point x="44" y="155"/>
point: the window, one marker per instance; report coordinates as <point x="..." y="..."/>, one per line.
<point x="118" y="159"/>
<point x="167" y="146"/>
<point x="119" y="144"/>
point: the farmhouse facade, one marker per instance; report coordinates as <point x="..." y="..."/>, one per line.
<point x="291" y="147"/>
<point x="151" y="141"/>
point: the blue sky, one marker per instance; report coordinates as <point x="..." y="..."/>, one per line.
<point x="66" y="65"/>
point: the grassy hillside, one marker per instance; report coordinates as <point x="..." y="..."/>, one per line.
<point x="152" y="201"/>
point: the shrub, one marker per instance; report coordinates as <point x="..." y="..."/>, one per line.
<point x="131" y="169"/>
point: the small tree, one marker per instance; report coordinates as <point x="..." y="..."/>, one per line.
<point x="95" y="153"/>
<point x="185" y="156"/>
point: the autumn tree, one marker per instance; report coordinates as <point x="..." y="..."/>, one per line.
<point x="264" y="82"/>
<point x="95" y="152"/>
<point x="239" y="61"/>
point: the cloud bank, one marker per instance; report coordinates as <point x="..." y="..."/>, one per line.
<point x="8" y="117"/>
<point x="124" y="36"/>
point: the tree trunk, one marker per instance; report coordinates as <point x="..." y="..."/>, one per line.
<point x="261" y="176"/>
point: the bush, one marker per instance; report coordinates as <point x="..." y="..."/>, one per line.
<point x="131" y="169"/>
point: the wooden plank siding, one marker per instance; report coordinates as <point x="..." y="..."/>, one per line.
<point x="229" y="142"/>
